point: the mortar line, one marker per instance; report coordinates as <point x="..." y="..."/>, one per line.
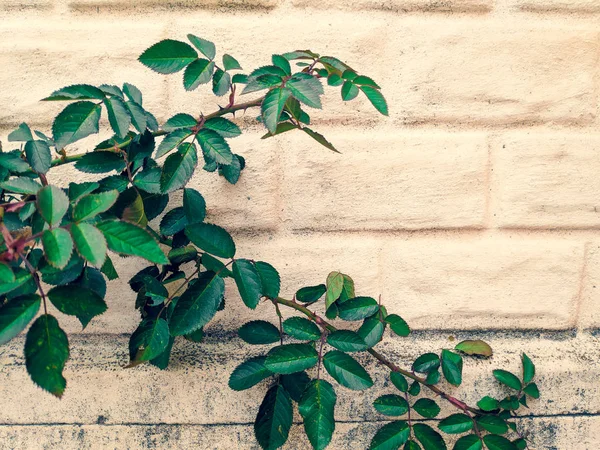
<point x="581" y="287"/>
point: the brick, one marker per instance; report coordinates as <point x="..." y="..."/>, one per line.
<point x="545" y="6"/>
<point x="547" y="180"/>
<point x="494" y="75"/>
<point x="385" y="180"/>
<point x="47" y="55"/>
<point x="193" y="391"/>
<point x="400" y="5"/>
<point x="589" y="315"/>
<point x="480" y="283"/>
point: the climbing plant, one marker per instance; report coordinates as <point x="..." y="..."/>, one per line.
<point x="58" y="244"/>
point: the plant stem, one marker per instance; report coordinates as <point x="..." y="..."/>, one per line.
<point x="382" y="359"/>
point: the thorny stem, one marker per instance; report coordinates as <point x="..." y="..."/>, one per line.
<point x="280" y="321"/>
<point x="36" y="278"/>
<point x="382" y="359"/>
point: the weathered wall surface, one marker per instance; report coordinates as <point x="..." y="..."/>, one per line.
<point x="473" y="209"/>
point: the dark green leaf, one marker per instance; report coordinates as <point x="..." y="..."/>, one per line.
<point x="148" y="341"/>
<point x="274" y="419"/>
<point x="21" y="185"/>
<point x="470" y="442"/>
<point x="197" y="73"/>
<point x="282" y="63"/>
<point x="249" y="373"/>
<point x="398" y="325"/>
<point x="317" y="409"/>
<point x="391" y="405"/>
<point x="46" y="352"/>
<point x="349" y="91"/>
<point x="428" y="437"/>
<point x="139" y="119"/>
<point x="452" y="365"/>
<point x="194" y="205"/>
<point x="76" y="92"/>
<point x="426" y="407"/>
<point x="38" y="155"/>
<point x="52" y="204"/>
<point x="399" y="381"/>
<point x="414" y="389"/>
<point x="179" y="121"/>
<point x="248" y="282"/>
<point x="78" y="190"/>
<point x="295" y="384"/>
<point x="495" y="442"/>
<point x="272" y="106"/>
<point x="13" y="162"/>
<point x="320" y="139"/>
<point x="528" y="369"/>
<point x="93" y="204"/>
<point x="58" y="247"/>
<point x="456" y="424"/>
<point x="78" y="301"/>
<point x="306" y="88"/>
<point x="301" y="329"/>
<point x="198" y="304"/>
<point x="76" y="121"/>
<point x="335" y="285"/>
<point x="376" y="99"/>
<point x="426" y="363"/>
<point x="118" y="116"/>
<point x="493" y="424"/>
<point x="259" y="332"/>
<point x="178" y="168"/>
<point x="224" y="127"/>
<point x="310" y="294"/>
<point x="133" y="93"/>
<point x="488" y="403"/>
<point x="221" y="82"/>
<point x="212" y="239"/>
<point x="230" y="63"/>
<point x="507" y="379"/>
<point x="371" y="330"/>
<point x="128" y="239"/>
<point x="173" y="222"/>
<point x="206" y="47"/>
<point x="171" y="141"/>
<point x="347" y="371"/>
<point x="214" y="147"/>
<point x="269" y="279"/>
<point x="364" y="80"/>
<point x="21" y="134"/>
<point x="168" y="56"/>
<point x="346" y="341"/>
<point x="291" y="358"/>
<point x="477" y="348"/>
<point x="100" y="162"/>
<point x="532" y="390"/>
<point x="390" y="436"/>
<point x="16" y="315"/>
<point x="358" y="308"/>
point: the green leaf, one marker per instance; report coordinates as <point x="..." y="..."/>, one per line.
<point x="399" y="381"/>
<point x="194" y="205"/>
<point x="528" y="369"/>
<point x="198" y="304"/>
<point x="214" y="147"/>
<point x="532" y="390"/>
<point x="349" y="91"/>
<point x="282" y="63"/>
<point x="58" y="247"/>
<point x="398" y="325"/>
<point x="168" y="56"/>
<point x="335" y="285"/>
<point x="78" y="301"/>
<point x="307" y="89"/>
<point x="426" y="407"/>
<point x="148" y="341"/>
<point x="46" y="352"/>
<point x="317" y="409"/>
<point x="426" y="363"/>
<point x="269" y="279"/>
<point x="239" y="78"/>
<point x="508" y="379"/>
<point x="520" y="444"/>
<point x="6" y="273"/>
<point x="493" y="424"/>
<point x="488" y="403"/>
<point x="139" y="119"/>
<point x="364" y="80"/>
<point x="89" y="243"/>
<point x="77" y="121"/>
<point x="230" y="63"/>
<point x="206" y="47"/>
<point x="248" y="282"/>
<point x="128" y="239"/>
<point x="78" y="190"/>
<point x="301" y="329"/>
<point x="93" y="204"/>
<point x="358" y="308"/>
<point x="376" y="99"/>
<point x="76" y="92"/>
<point x="52" y="204"/>
<point x="133" y="93"/>
<point x="291" y="358"/>
<point x="21" y="185"/>
<point x="16" y="315"/>
<point x="495" y="442"/>
<point x="21" y="134"/>
<point x="295" y="384"/>
<point x="13" y="162"/>
<point x="100" y="162"/>
<point x="456" y="424"/>
<point x="428" y="437"/>
<point x="259" y="332"/>
<point x="212" y="239"/>
<point x="469" y="442"/>
<point x="477" y="348"/>
<point x="118" y="116"/>
<point x="412" y="445"/>
<point x="390" y="436"/>
<point x="433" y="377"/>
<point x="415" y="388"/>
<point x="179" y="121"/>
<point x="221" y="82"/>
<point x="320" y="139"/>
<point x="197" y="73"/>
<point x="272" y="106"/>
<point x="452" y="365"/>
<point x="310" y="294"/>
<point x="371" y="331"/>
<point x="391" y="405"/>
<point x="178" y="168"/>
<point x="249" y="373"/>
<point x="148" y="180"/>
<point x="346" y="341"/>
<point x="38" y="155"/>
<point x="347" y="371"/>
<point x="173" y="222"/>
<point x="274" y="419"/>
<point x="108" y="269"/>
<point x="171" y="141"/>
<point x="224" y="127"/>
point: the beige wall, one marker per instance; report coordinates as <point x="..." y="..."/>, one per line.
<point x="473" y="209"/>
